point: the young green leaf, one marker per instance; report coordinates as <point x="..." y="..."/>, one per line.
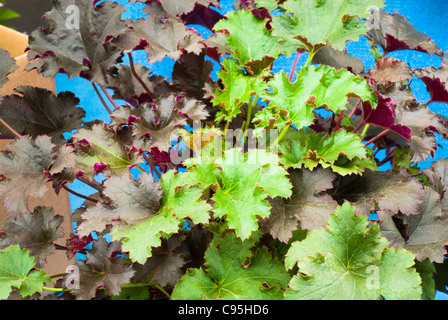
<point x="246" y="181"/>
<point x="323" y="86"/>
<point x="182" y="199"/>
<point x="16" y="270"/>
<point x="315" y="24"/>
<point x="238" y="88"/>
<point x="249" y="40"/>
<point x="339" y="151"/>
<point x="351" y="260"/>
<point x="139" y="240"/>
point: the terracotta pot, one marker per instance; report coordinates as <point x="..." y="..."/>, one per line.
<point x="15" y="43"/>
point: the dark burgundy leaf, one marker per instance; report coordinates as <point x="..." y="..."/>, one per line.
<point x="384" y="116"/>
<point x="395" y="33"/>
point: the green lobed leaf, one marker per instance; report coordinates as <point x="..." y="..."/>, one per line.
<point x="140" y="239"/>
<point x="317" y="23"/>
<point x="16" y="271"/>
<point x="342" y="151"/>
<point x="250" y="41"/>
<point x="351" y="261"/>
<point x="242" y="195"/>
<point x="324" y="86"/>
<point x="234" y="272"/>
<point x="183" y="200"/>
<point x="238" y="88"/>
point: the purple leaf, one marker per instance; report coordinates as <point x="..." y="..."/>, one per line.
<point x="384" y="116"/>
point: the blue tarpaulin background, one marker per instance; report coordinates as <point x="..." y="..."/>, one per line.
<point x="429" y="16"/>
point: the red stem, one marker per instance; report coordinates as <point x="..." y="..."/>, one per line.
<point x="101" y="98"/>
<point x="354" y="108"/>
<point x="78" y="194"/>
<point x="109" y="97"/>
<point x="10" y="128"/>
<point x="387" y="158"/>
<point x="92" y="183"/>
<point x="338" y="124"/>
<point x="291" y="75"/>
<point x="137" y="77"/>
<point x="151" y="165"/>
<point x="377" y="137"/>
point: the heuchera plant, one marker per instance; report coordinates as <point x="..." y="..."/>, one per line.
<point x="255" y="185"/>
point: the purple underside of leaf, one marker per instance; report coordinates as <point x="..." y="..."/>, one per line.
<point x="384" y="116"/>
<point x="203" y="16"/>
<point x="262" y="14"/>
<point x="394" y="44"/>
<point x="436" y="89"/>
<point x="160" y="156"/>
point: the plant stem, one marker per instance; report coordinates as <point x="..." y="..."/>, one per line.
<point x="330" y="130"/>
<point x="137" y="77"/>
<point x="57" y="275"/>
<point x="291" y="75"/>
<point x="92" y="183"/>
<point x="310" y="58"/>
<point x="377" y="137"/>
<point x="227" y="126"/>
<point x="338" y="124"/>
<point x="79" y="195"/>
<point x="363" y="134"/>
<point x="386" y="159"/>
<point x="10" y="128"/>
<point x="101" y="98"/>
<point x="109" y="97"/>
<point x="352" y="113"/>
<point x="282" y="134"/>
<point x="359" y="127"/>
<point x="416" y="174"/>
<point x="249" y="111"/>
<point x="55" y="289"/>
<point x="151" y="166"/>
